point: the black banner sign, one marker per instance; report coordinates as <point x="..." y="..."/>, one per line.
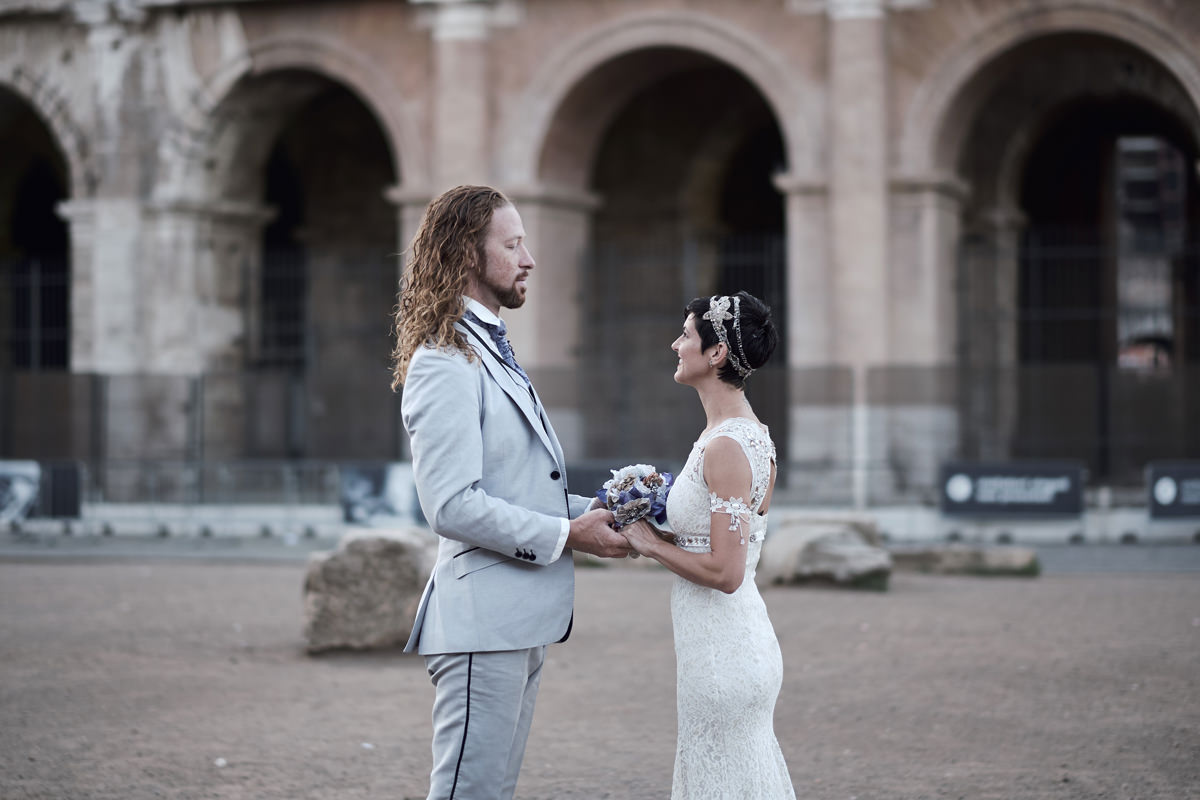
<point x="1173" y="489"/>
<point x="1034" y="488"/>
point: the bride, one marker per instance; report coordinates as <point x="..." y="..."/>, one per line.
<point x="729" y="668"/>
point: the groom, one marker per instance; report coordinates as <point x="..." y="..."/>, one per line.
<point x="491" y="478"/>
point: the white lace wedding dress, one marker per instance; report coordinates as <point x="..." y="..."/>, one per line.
<point x="729" y="668"/>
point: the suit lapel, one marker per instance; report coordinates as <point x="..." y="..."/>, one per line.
<point x="556" y="448"/>
<point x="515" y="389"/>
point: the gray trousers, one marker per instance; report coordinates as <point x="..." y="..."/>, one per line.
<point x="482" y="710"/>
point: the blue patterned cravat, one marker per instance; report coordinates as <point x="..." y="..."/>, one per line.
<point x="500" y="337"/>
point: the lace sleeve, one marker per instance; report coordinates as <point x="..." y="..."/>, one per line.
<point x="736" y="508"/>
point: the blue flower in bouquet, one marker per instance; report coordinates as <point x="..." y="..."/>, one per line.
<point x="637" y="491"/>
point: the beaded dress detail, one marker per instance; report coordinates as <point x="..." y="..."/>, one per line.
<point x="729" y="668"/>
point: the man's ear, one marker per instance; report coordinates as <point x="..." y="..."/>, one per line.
<point x="472" y="268"/>
<point x="474" y="260"/>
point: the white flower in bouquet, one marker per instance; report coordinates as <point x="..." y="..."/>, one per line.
<point x="637" y="491"/>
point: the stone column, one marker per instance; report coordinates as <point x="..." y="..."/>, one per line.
<point x="1004" y="227"/>
<point x="858" y="181"/>
<point x="547" y="333"/>
<point x="143" y="414"/>
<point x="200" y="318"/>
<point x="858" y="212"/>
<point x="809" y="278"/>
<point x="203" y="294"/>
<point x="919" y="391"/>
<point x="117" y="67"/>
<point x="923" y="251"/>
<point x="461" y="116"/>
<point x="107" y="307"/>
<point x="107" y="249"/>
<point x="410" y="208"/>
<point x="819" y="421"/>
<point x="989" y="278"/>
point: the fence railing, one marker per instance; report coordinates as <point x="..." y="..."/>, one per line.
<point x="200" y="439"/>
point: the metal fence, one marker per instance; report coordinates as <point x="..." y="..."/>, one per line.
<point x="34" y="312"/>
<point x="1074" y="347"/>
<point x="163" y="440"/>
<point x="228" y="416"/>
<point x="1057" y="360"/>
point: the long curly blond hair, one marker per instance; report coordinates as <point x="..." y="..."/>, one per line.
<point x="446" y="251"/>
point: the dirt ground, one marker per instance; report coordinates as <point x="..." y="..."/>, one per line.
<point x="169" y="679"/>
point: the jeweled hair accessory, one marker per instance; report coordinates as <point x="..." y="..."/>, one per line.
<point x="718" y="312"/>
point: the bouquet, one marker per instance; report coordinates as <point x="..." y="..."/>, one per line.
<point x="637" y="491"/>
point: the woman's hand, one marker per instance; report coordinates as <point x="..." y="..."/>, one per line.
<point x="641" y="538"/>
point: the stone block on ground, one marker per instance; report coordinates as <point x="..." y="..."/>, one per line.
<point x="962" y="559"/>
<point x="363" y="595"/>
<point x="842" y="551"/>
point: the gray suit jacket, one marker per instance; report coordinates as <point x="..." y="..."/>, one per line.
<point x="492" y="482"/>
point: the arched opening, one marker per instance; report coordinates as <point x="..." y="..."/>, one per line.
<point x="684" y="149"/>
<point x="320" y="282"/>
<point x="1108" y="278"/>
<point x="283" y="285"/>
<point x="1081" y="312"/>
<point x="35" y="273"/>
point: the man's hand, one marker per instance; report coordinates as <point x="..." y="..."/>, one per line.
<point x="642" y="538"/>
<point x="592" y="533"/>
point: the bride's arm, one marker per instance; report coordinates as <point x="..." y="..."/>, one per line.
<point x="727" y="473"/>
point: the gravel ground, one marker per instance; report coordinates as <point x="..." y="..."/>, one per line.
<point x="149" y="677"/>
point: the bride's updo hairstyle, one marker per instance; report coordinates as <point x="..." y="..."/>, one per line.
<point x="750" y="341"/>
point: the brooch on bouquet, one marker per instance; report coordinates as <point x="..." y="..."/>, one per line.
<point x="638" y="491"/>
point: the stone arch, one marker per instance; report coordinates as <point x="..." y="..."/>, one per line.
<point x="983" y="115"/>
<point x="376" y="91"/>
<point x="277" y="289"/>
<point x="207" y="119"/>
<point x="35" y="257"/>
<point x="627" y="120"/>
<point x="944" y="106"/>
<point x="526" y="129"/>
<point x="69" y="137"/>
<point x="1085" y="66"/>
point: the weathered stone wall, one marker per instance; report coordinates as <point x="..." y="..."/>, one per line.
<point x="894" y="118"/>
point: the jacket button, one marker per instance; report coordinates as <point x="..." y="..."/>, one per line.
<point x="554" y="475"/>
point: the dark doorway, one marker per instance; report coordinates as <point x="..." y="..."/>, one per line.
<point x="35" y="274"/>
<point x="322" y="291"/>
<point x="688" y="209"/>
<point x="1107" y="289"/>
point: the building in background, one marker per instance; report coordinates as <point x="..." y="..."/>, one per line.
<point x="978" y="222"/>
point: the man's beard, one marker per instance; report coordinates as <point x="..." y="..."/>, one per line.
<point x="509" y="296"/>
